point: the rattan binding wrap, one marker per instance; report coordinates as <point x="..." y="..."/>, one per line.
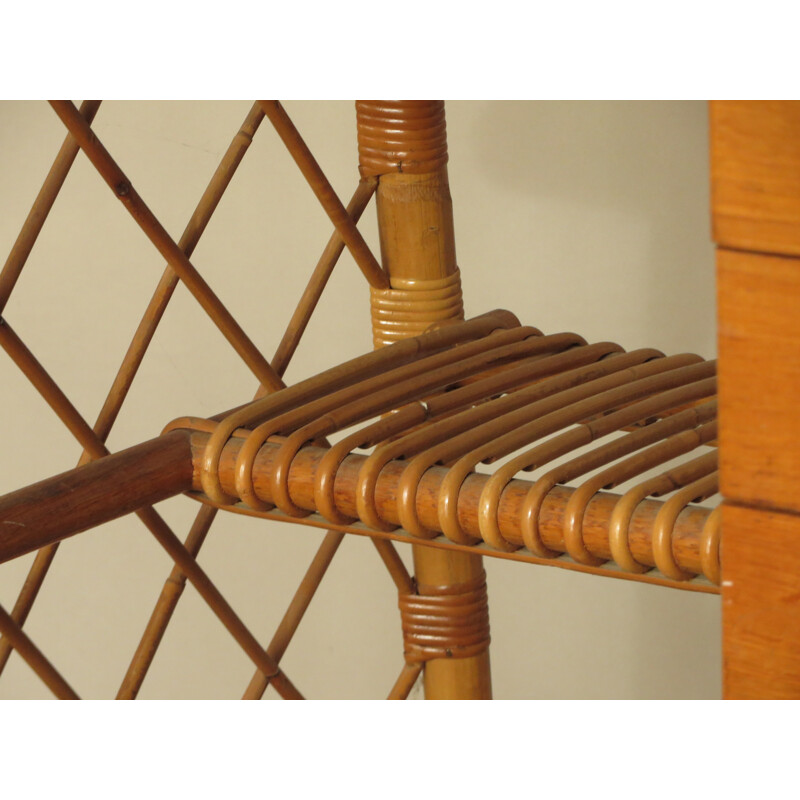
<point x="445" y="622"/>
<point x="410" y="307"/>
<point x="401" y="136"/>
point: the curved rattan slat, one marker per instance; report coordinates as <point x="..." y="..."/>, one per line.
<point x="477" y="394"/>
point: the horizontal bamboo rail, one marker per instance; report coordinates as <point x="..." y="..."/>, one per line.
<point x="113" y="486"/>
<point x="687" y="533"/>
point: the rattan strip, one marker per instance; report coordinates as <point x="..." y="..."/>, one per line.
<point x="686" y="536"/>
<point x="395" y="566"/>
<point x="319" y="279"/>
<point x="339" y="377"/>
<point x="125" y="192"/>
<point x="364" y="399"/>
<point x="297" y="608"/>
<point x="164" y="608"/>
<point x="175" y="583"/>
<point x="34" y="658"/>
<point x="140" y="342"/>
<point x="40" y="210"/>
<point x="405" y="681"/>
<point x="69" y="415"/>
<point x="328" y="199"/>
<point x="446" y="410"/>
<point x="401" y="136"/>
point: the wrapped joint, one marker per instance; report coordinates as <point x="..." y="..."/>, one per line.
<point x="401" y="136"/>
<point x="445" y="622"/>
<point x="410" y="307"/>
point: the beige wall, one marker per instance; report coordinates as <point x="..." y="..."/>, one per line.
<point x="590" y="217"/>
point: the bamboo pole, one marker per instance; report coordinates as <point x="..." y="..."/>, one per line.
<point x="415" y="222"/>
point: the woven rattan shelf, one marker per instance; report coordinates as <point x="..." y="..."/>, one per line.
<point x="484" y="437"/>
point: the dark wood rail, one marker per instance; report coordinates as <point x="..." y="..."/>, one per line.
<point x="102" y="490"/>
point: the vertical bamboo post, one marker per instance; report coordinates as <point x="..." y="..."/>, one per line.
<point x="404" y="144"/>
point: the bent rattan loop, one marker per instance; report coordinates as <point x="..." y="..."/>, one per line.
<point x="331" y="380"/>
<point x="408" y="485"/>
<point x="710" y="546"/>
<point x="407" y="499"/>
<point x="695" y="492"/>
<point x="543" y="416"/>
<point x="445" y="622"/>
<point x="661" y="403"/>
<point x="283" y="462"/>
<point x="489" y="501"/>
<point x="678" y="444"/>
<point x="520" y="341"/>
<point x="488" y="505"/>
<point x="619" y="525"/>
<point x="450" y="437"/>
<point x="362" y="399"/>
<point x="325" y="477"/>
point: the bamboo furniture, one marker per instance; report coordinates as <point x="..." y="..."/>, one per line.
<point x="440" y="396"/>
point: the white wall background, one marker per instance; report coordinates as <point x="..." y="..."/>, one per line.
<point x="590" y="217"/>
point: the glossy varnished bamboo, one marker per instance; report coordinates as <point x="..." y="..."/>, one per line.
<point x="415" y="224"/>
<point x="686" y="535"/>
